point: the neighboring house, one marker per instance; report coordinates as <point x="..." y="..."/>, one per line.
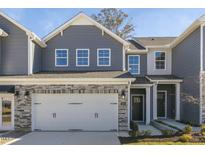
<point x="81" y="76"/>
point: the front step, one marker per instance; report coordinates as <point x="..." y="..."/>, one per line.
<point x="162" y="126"/>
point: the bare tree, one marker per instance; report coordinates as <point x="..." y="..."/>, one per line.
<point x="115" y="20"/>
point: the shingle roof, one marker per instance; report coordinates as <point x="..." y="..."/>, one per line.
<point x="135" y="45"/>
<point x="97" y="74"/>
<point x="163" y="77"/>
<point x="154" y="41"/>
<point x="141" y="80"/>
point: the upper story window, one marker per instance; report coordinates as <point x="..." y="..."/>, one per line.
<point x="82" y="57"/>
<point x="104" y="57"/>
<point x="134" y="64"/>
<point x="61" y="57"/>
<point x="160" y="60"/>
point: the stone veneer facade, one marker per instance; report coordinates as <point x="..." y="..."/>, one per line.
<point x="203" y="97"/>
<point x="23" y="115"/>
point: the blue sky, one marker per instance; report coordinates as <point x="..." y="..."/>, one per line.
<point x="147" y="22"/>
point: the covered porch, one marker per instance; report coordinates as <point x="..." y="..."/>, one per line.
<point x="166" y="97"/>
<point x="154" y="97"/>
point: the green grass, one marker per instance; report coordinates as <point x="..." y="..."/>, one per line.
<point x="165" y="143"/>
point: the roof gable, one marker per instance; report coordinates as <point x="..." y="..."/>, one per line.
<point x="83" y="19"/>
<point x="28" y="32"/>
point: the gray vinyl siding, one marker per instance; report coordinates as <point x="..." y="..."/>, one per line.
<point x="37" y="58"/>
<point x="14" y="49"/>
<point x="82" y="36"/>
<point x="186" y="64"/>
<point x="143" y="64"/>
<point x="170" y="99"/>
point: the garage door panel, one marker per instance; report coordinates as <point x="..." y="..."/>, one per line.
<point x="75" y="111"/>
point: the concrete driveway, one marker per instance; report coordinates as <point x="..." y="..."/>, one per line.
<point x="68" y="138"/>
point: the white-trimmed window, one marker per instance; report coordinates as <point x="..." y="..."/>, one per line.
<point x="134" y="64"/>
<point x="61" y="57"/>
<point x="82" y="57"/>
<point x="103" y="57"/>
<point x="160" y="60"/>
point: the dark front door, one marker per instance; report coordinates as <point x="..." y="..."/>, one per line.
<point x="161" y="104"/>
<point x="137" y="107"/>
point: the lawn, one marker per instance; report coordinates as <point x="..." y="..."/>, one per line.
<point x="197" y="139"/>
<point x="9" y="136"/>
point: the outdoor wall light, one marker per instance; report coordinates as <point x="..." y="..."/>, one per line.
<point x="27" y="93"/>
<point x="123" y="94"/>
<point x="16" y="93"/>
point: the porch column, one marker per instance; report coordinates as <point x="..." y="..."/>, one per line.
<point x="155" y="101"/>
<point x="147" y="105"/>
<point x="177" y="105"/>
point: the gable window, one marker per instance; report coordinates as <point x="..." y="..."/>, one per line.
<point x="134" y="64"/>
<point x="160" y="60"/>
<point x="82" y="57"/>
<point x="104" y="56"/>
<point x="61" y="57"/>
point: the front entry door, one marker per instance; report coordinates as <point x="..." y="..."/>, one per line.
<point x="6" y="111"/>
<point x="137" y="107"/>
<point x="161" y="104"/>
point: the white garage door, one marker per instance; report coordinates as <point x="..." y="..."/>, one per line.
<point x="75" y="112"/>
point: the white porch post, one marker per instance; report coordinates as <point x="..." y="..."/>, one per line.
<point x="147" y="105"/>
<point x="177" y="105"/>
<point x="155" y="101"/>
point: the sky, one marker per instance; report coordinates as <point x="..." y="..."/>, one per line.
<point x="147" y="22"/>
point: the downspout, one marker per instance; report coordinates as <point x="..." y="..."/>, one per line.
<point x="201" y="72"/>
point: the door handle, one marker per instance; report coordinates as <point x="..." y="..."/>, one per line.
<point x="96" y="115"/>
<point x="54" y="115"/>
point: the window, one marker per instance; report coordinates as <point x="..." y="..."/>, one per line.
<point x="134" y="64"/>
<point x="61" y="57"/>
<point x="82" y="57"/>
<point x="160" y="60"/>
<point x="103" y="57"/>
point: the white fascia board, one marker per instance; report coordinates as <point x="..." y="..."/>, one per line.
<point x="28" y="32"/>
<point x="188" y="31"/>
<point x="166" y="81"/>
<point x="3" y="33"/>
<point x="130" y="51"/>
<point x="47" y="81"/>
<point x="159" y="46"/>
<point x="68" y="23"/>
<point x="141" y="85"/>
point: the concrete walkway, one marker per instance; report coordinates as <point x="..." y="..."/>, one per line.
<point x="154" y="131"/>
<point x="68" y="138"/>
<point x="179" y="125"/>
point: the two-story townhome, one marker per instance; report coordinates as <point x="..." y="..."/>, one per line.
<point x="82" y="76"/>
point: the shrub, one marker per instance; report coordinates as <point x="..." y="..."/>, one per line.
<point x="185" y="138"/>
<point x="145" y="133"/>
<point x="203" y="129"/>
<point x="187" y="129"/>
<point x="133" y="133"/>
<point x="133" y="126"/>
<point x="168" y="132"/>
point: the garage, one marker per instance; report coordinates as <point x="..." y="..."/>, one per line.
<point x="71" y="112"/>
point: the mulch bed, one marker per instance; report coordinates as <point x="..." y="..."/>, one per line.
<point x="11" y="136"/>
<point x="197" y="138"/>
